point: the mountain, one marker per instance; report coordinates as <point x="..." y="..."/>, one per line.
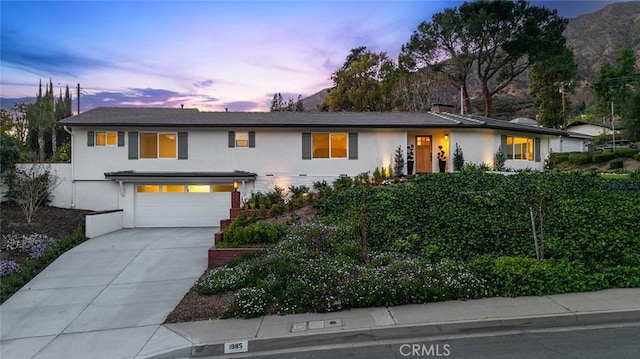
<point x="595" y="38"/>
<point x="314" y="102"/>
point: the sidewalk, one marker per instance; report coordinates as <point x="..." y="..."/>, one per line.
<point x="207" y="338"/>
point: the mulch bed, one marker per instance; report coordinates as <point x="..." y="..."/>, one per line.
<point x="51" y="221"/>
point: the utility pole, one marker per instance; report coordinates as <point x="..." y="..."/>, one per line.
<point x="613" y="127"/>
<point x="78" y="99"/>
<point x="564" y="107"/>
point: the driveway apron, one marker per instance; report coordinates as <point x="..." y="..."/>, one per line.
<point x="106" y="297"/>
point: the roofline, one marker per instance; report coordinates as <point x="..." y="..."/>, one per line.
<point x="179" y="177"/>
<point x="484" y="125"/>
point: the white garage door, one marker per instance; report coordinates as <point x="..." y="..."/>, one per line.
<point x="171" y="206"/>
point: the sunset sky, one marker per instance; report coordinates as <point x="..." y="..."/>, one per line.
<point x="210" y="55"/>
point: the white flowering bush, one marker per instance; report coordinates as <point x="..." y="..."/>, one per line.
<point x="250" y="302"/>
<point x="317" y="268"/>
<point x="32" y="245"/>
<point x="8" y="267"/>
<point x="223" y="279"/>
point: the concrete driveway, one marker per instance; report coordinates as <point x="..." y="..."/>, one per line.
<point x="106" y="297"/>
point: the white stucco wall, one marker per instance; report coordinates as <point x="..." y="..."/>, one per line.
<point x="277" y="153"/>
<point x="102" y="223"/>
<point x="61" y="194"/>
<point x="481" y="146"/>
<point x="591" y="130"/>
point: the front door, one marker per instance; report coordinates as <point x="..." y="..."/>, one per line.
<point x="423" y="154"/>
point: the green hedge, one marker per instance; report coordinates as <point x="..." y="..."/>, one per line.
<point x="243" y="231"/>
<point x="465" y="215"/>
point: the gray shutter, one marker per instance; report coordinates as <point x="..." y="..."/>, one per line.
<point x="183" y="145"/>
<point x="232" y="139"/>
<point x="503" y="144"/>
<point x="353" y="146"/>
<point x="120" y="138"/>
<point x="133" y="145"/>
<point x="252" y="139"/>
<point x="91" y="138"/>
<point x="536" y="149"/>
<point x="306" y="145"/>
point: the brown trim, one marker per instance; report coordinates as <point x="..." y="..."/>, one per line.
<point x="103" y="212"/>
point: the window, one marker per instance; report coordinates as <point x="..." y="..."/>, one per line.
<point x="106" y="138"/>
<point x="242" y="139"/>
<point x="146" y="188"/>
<point x="519" y="148"/>
<point x="329" y="145"/>
<point x="173" y="188"/>
<point x="158" y="145"/>
<point x="197" y="188"/>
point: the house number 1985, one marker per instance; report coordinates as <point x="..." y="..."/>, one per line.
<point x="236" y="347"/>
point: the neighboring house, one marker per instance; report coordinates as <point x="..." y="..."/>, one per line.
<point x="567" y="142"/>
<point x="176" y="167"/>
<point x="594" y="129"/>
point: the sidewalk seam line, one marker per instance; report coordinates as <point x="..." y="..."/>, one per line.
<point x="567" y="309"/>
<point x="395" y="322"/>
<point x="259" y="327"/>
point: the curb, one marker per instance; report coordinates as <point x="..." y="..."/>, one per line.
<point x="395" y="332"/>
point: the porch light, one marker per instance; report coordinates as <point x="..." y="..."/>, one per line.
<point x="235" y="185"/>
<point x="446" y="137"/>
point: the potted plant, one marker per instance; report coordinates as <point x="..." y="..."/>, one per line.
<point x="442" y="159"/>
<point x="410" y="160"/>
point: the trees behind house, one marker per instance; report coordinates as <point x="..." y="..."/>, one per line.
<point x="548" y="80"/>
<point x="35" y="125"/>
<point x="617" y="92"/>
<point x="363" y="83"/>
<point x="278" y="104"/>
<point x="498" y="40"/>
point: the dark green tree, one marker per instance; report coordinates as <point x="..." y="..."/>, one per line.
<point x="276" y="102"/>
<point x="443" y="47"/>
<point x="548" y="78"/>
<point x="508" y="38"/>
<point x="299" y="104"/>
<point x="617" y="84"/>
<point x="363" y="83"/>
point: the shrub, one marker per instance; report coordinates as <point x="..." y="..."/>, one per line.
<point x="578" y="158"/>
<point x="32" y="188"/>
<point x="277" y="210"/>
<point x="527" y="276"/>
<point x="32" y="245"/>
<point x="499" y="160"/>
<point x="623" y="276"/>
<point x="377" y="175"/>
<point x="398" y="162"/>
<point x="604" y="156"/>
<point x="250" y="303"/>
<point x="223" y="279"/>
<point x="342" y="183"/>
<point x="458" y="158"/>
<point x="616" y="163"/>
<point x="8" y="267"/>
<point x="236" y="235"/>
<point x="626" y="152"/>
<point x="636" y="157"/>
<point x="298" y="191"/>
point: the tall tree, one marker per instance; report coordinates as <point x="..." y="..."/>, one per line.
<point x="617" y="83"/>
<point x="276" y="102"/>
<point x="509" y="37"/>
<point x="299" y="104"/>
<point x="363" y="83"/>
<point x="548" y="79"/>
<point x="442" y="46"/>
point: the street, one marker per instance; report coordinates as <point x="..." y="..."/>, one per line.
<point x="601" y="342"/>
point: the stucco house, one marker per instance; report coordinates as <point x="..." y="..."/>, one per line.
<point x="175" y="167"/>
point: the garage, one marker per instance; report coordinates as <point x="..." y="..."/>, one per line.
<point x="179" y="205"/>
<point x="177" y="199"/>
